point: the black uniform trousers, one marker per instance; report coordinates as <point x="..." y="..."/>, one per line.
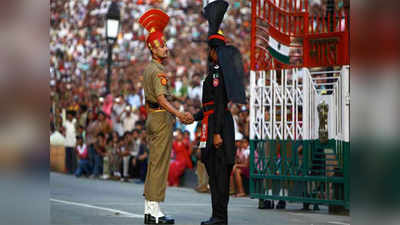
<point x="219" y="174"/>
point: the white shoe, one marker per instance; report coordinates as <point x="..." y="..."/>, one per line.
<point x="146" y="207"/>
<point x="155" y="211"/>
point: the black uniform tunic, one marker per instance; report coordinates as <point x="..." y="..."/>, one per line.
<point x="218" y="162"/>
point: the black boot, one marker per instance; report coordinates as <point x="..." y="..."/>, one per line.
<point x="306" y="206"/>
<point x="281" y="204"/>
<point x="214" y="221"/>
<point x="146" y="218"/>
<point x="161" y="220"/>
<point x="265" y="204"/>
<point x="270" y="204"/>
<point x="262" y="204"/>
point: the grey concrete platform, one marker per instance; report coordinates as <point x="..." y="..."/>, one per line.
<point x="82" y="201"/>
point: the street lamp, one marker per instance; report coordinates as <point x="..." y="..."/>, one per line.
<point x="112" y="30"/>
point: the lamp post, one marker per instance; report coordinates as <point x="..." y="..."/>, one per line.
<point x="112" y="30"/>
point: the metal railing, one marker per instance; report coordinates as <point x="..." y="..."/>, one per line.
<point x="300" y="171"/>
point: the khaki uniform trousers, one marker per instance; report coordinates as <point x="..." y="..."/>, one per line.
<point x="159" y="126"/>
<point x="202" y="176"/>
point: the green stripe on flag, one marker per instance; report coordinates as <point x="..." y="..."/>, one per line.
<point x="280" y="57"/>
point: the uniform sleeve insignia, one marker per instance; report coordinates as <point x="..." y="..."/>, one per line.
<point x="163" y="78"/>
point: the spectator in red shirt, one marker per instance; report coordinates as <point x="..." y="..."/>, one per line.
<point x="82" y="152"/>
<point x="182" y="160"/>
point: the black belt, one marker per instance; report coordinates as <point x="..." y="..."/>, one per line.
<point x="153" y="105"/>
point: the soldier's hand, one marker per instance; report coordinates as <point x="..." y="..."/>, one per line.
<point x="217" y="140"/>
<point x="181" y="116"/>
<point x="186" y="118"/>
<point x="189" y="118"/>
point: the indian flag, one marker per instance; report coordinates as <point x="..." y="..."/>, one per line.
<point x="278" y="45"/>
<point x="278" y="51"/>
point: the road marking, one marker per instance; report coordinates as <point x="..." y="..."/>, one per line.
<point x="169" y="204"/>
<point x="120" y="212"/>
<point x="301" y="214"/>
<point x="340" y="223"/>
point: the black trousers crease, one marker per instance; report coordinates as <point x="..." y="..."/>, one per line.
<point x="219" y="175"/>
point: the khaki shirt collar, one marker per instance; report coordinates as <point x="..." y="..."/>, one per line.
<point x="158" y="64"/>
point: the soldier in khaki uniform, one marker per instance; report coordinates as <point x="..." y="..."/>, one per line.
<point x="159" y="123"/>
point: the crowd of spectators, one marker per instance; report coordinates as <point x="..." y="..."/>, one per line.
<point x="104" y="134"/>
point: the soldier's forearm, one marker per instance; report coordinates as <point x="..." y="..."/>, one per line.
<point x="172" y="98"/>
<point x="166" y="105"/>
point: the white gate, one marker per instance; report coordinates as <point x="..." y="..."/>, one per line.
<point x="283" y="103"/>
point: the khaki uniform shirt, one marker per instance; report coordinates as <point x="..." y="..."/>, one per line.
<point x="155" y="82"/>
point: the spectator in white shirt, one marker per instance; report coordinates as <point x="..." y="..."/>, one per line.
<point x="195" y="90"/>
<point x="129" y="119"/>
<point x="70" y="141"/>
<point x="117" y="111"/>
<point x="56" y="138"/>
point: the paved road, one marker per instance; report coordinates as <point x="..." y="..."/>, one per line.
<point x="81" y="201"/>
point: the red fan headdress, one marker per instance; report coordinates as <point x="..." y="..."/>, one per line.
<point x="154" y="21"/>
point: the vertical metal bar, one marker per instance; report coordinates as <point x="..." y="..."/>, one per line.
<point x="290" y="18"/>
<point x="331" y="27"/>
<point x="279" y="19"/>
<point x="109" y="62"/>
<point x="269" y="12"/>
<point x="334" y="21"/>
<point x="318" y="24"/>
<point x="312" y="109"/>
<point x="273" y="15"/>
<point x="282" y="98"/>
<point x="264" y="10"/>
<point x="252" y="105"/>
<point x="294" y="103"/>
<point x="347" y="175"/>
<point x="273" y="75"/>
<point x="271" y="105"/>
<point x="262" y="104"/>
<point x="284" y="104"/>
<point x="312" y="24"/>
<point x="295" y="118"/>
<point x="253" y="34"/>
<point x="252" y="161"/>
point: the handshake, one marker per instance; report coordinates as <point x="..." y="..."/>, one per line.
<point x="185" y="117"/>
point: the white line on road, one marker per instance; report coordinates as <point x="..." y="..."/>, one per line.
<point x="170" y="204"/>
<point x="300" y="214"/>
<point x="340" y="223"/>
<point x="100" y="208"/>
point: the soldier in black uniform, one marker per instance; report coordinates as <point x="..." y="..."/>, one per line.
<point x="223" y="84"/>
